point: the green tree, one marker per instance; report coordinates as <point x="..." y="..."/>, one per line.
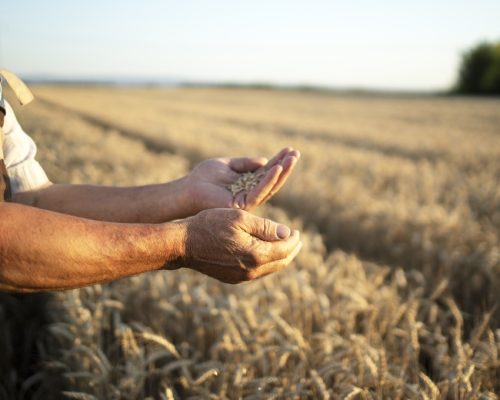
<point x="480" y="70"/>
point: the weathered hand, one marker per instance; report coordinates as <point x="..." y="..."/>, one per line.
<point x="234" y="246"/>
<point x="208" y="182"/>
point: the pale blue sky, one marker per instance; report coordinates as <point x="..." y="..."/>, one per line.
<point x="378" y="44"/>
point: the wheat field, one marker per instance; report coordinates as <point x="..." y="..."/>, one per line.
<point x="394" y="295"/>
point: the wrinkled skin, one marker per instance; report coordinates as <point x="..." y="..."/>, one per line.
<point x="234" y="246"/>
<point x="209" y="180"/>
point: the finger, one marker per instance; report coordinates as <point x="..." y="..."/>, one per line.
<point x="264" y="252"/>
<point x="246" y="164"/>
<point x="277" y="250"/>
<point x="237" y="275"/>
<point x="239" y="200"/>
<point x="274" y="266"/>
<point x="278" y="157"/>
<point x="221" y="272"/>
<point x="260" y="192"/>
<point x="264" y="229"/>
<point x="288" y="165"/>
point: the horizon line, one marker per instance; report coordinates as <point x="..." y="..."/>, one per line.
<point x="159" y="81"/>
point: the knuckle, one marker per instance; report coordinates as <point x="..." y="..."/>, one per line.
<point x="207" y="215"/>
<point x="255" y="258"/>
<point x="236" y="215"/>
<point x="268" y="228"/>
<point x="250" y="275"/>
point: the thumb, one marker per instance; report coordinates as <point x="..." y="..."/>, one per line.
<point x="268" y="230"/>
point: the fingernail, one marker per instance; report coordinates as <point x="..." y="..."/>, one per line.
<point x="283" y="231"/>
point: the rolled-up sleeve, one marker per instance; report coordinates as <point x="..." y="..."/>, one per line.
<point x="24" y="171"/>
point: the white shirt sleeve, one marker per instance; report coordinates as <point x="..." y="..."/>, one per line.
<point x="25" y="173"/>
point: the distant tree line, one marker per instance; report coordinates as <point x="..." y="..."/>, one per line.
<point x="479" y="72"/>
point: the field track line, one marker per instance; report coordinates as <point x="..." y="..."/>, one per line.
<point x="154" y="145"/>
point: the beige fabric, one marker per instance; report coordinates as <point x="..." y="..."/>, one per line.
<point x="19" y="88"/>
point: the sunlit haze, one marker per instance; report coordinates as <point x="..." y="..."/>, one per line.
<point x="362" y="44"/>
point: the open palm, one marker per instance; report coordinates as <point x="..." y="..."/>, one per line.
<point x="210" y="179"/>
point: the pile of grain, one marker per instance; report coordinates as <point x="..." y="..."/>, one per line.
<point x="246" y="182"/>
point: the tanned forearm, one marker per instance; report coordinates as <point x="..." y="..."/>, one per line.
<point x="43" y="250"/>
<point x="140" y="204"/>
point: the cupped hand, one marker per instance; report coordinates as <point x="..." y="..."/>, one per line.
<point x="208" y="182"/>
<point x="235" y="246"/>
